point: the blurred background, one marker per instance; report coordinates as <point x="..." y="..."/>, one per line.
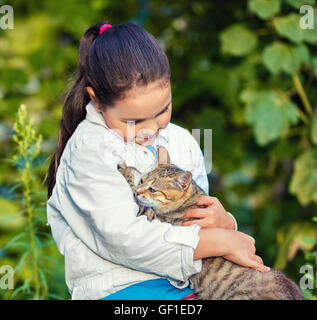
<point x="245" y="69"/>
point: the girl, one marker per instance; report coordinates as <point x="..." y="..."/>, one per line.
<point x="120" y="109"/>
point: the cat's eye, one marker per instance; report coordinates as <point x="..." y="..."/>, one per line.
<point x="151" y="189"/>
<point x="141" y="181"/>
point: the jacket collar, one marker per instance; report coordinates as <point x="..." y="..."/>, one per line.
<point x="127" y="150"/>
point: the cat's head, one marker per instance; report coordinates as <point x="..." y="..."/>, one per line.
<point x="166" y="187"/>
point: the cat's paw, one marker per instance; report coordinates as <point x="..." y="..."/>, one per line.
<point x="121" y="166"/>
<point x="150" y="214"/>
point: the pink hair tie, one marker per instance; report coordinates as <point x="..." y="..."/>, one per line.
<point x="104" y="27"/>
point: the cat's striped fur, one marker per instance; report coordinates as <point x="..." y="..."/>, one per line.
<point x="165" y="193"/>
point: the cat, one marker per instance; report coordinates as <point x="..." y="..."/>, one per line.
<point x="165" y="193"/>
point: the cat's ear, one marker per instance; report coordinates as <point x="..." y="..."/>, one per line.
<point x="163" y="158"/>
<point x="184" y="179"/>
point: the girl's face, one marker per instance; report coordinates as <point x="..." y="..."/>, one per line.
<point x="141" y="114"/>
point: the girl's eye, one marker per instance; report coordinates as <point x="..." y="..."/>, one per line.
<point x="132" y="123"/>
<point x="151" y="189"/>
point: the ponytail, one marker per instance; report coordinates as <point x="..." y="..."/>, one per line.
<point x="74" y="105"/>
<point x="112" y="63"/>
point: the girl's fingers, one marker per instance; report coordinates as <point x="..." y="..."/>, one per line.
<point x="206" y="200"/>
<point x="194" y="213"/>
<point x="258" y="259"/>
<point x="258" y="266"/>
<point x="200" y="222"/>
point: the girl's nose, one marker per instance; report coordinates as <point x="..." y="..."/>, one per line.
<point x="151" y="127"/>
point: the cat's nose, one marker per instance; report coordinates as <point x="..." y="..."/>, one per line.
<point x="136" y="193"/>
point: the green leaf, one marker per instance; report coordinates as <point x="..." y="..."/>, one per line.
<point x="279" y="57"/>
<point x="300" y="55"/>
<point x="270" y="114"/>
<point x="314" y="129"/>
<point x="237" y="40"/>
<point x="264" y="9"/>
<point x="304" y="180"/>
<point x="22" y="261"/>
<point x="14" y="241"/>
<point x="43" y="280"/>
<point x="288" y="27"/>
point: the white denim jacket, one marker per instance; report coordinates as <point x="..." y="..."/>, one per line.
<point x="92" y="213"/>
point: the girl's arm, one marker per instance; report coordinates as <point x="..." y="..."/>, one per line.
<point x="233" y="245"/>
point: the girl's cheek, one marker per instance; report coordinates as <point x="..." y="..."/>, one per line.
<point x="165" y="119"/>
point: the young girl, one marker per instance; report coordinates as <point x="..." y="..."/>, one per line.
<point x="119" y="109"/>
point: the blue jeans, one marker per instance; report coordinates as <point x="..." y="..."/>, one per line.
<point x="157" y="289"/>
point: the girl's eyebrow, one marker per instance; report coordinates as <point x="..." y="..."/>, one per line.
<point x="154" y="116"/>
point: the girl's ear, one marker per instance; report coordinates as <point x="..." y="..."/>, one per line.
<point x="90" y="92"/>
<point x="184" y="179"/>
<point x="163" y="158"/>
<point x="93" y="98"/>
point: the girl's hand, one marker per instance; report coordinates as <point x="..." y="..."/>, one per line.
<point x="241" y="250"/>
<point x="232" y="245"/>
<point x="214" y="216"/>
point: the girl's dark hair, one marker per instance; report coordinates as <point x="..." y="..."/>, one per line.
<point x="119" y="59"/>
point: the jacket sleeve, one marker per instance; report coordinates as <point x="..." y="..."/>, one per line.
<point x="199" y="171"/>
<point x="97" y="203"/>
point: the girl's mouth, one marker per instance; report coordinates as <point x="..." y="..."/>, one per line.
<point x="147" y="137"/>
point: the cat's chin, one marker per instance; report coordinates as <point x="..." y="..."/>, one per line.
<point x="145" y="204"/>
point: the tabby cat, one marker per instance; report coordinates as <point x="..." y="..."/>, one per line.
<point x="165" y="193"/>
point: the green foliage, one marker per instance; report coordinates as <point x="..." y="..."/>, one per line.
<point x="279" y="56"/>
<point x="304" y="180"/>
<point x="243" y="68"/>
<point x="31" y="240"/>
<point x="265" y="9"/>
<point x="237" y="40"/>
<point x="270" y="115"/>
<point x="298" y="3"/>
